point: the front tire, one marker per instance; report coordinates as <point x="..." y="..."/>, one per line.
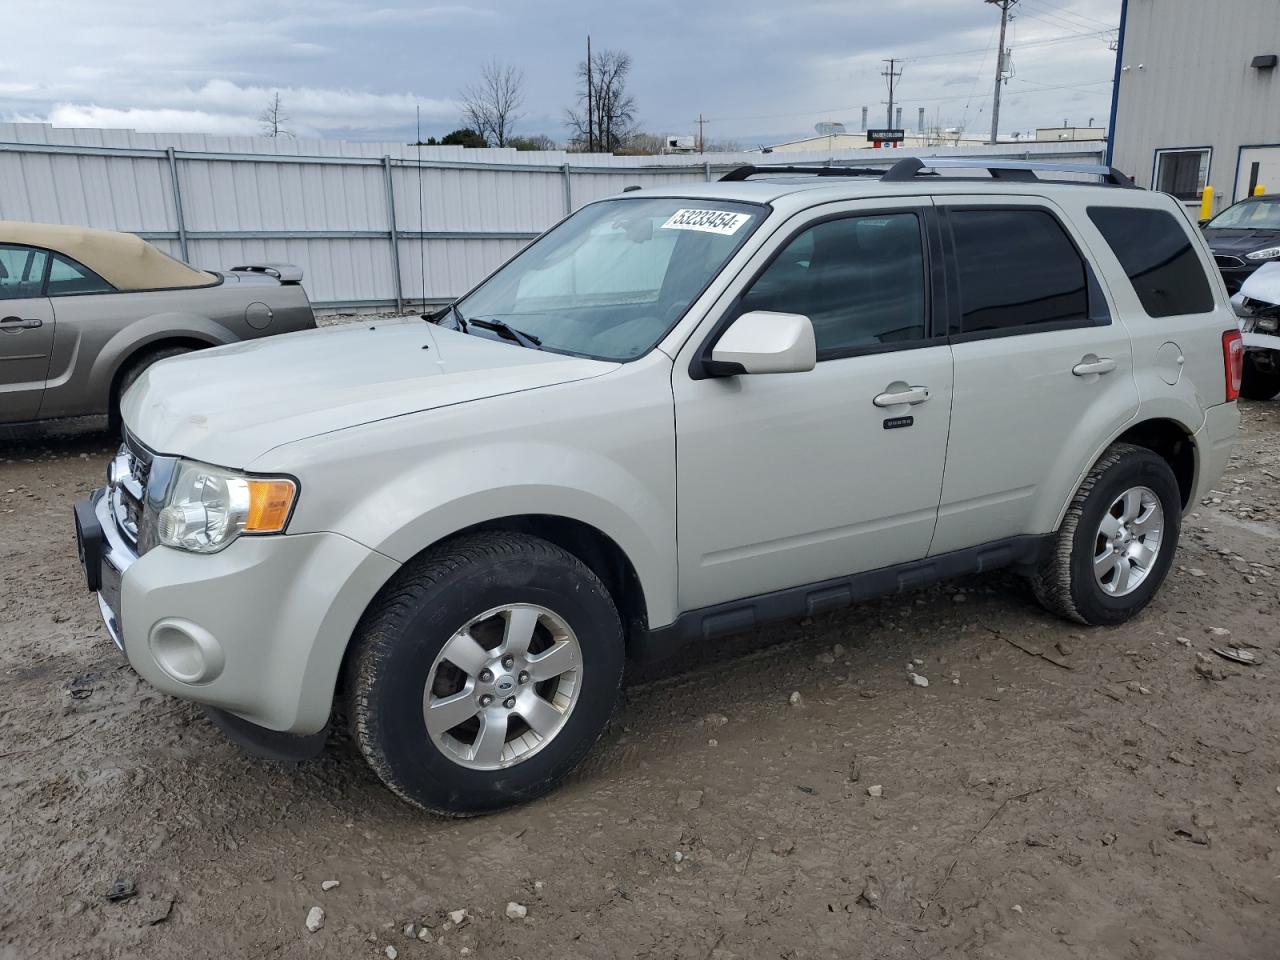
<point x="484" y="673"/>
<point x="1117" y="541"/>
<point x="1260" y="379"/>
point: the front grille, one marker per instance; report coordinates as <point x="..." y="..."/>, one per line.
<point x="1225" y="262"/>
<point x="127" y="478"/>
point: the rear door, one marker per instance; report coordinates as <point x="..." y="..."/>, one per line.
<point x="1042" y="369"/>
<point x="26" y="331"/>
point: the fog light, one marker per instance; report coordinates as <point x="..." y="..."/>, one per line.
<point x="186" y="652"/>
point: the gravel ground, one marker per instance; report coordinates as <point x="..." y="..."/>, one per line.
<point x="1054" y="791"/>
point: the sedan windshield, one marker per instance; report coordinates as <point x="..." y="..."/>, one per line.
<point x="612" y="279"/>
<point x="1248" y="215"/>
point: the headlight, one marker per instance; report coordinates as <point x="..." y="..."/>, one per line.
<point x="208" y="507"/>
<point x="1270" y="253"/>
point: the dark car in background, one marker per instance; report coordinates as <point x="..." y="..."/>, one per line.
<point x="1244" y="237"/>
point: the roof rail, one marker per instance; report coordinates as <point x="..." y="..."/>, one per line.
<point x="742" y="173"/>
<point x="909" y="167"/>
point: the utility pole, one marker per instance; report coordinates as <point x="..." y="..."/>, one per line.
<point x="995" y="100"/>
<point x="590" y="115"/>
<point x="701" y="141"/>
<point x="890" y="76"/>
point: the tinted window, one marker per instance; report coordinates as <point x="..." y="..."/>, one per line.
<point x="860" y="280"/>
<point x="66" y="277"/>
<point x="21" y="272"/>
<point x="1156" y="253"/>
<point x="1017" y="268"/>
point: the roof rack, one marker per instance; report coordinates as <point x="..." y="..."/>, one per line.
<point x="742" y="173"/>
<point x="908" y="168"/>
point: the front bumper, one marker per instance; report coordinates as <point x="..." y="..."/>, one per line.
<point x="257" y="630"/>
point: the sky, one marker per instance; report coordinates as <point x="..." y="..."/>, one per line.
<point x="759" y="72"/>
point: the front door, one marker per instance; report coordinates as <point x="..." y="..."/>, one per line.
<point x="790" y="479"/>
<point x="26" y="332"/>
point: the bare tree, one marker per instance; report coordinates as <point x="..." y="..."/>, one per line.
<point x="491" y="106"/>
<point x="273" y="119"/>
<point x="605" y="114"/>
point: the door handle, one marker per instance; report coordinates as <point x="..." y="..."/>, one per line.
<point x="18" y="323"/>
<point x="1091" y="364"/>
<point x="912" y="395"/>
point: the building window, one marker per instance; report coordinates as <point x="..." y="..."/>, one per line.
<point x="1182" y="173"/>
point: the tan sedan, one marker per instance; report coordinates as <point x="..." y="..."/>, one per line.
<point x="84" y="312"/>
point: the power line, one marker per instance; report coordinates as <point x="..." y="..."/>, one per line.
<point x="1043" y="16"/>
<point x="1050" y="41"/>
<point x="1071" y="14"/>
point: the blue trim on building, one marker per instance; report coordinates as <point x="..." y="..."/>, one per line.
<point x="1115" y="84"/>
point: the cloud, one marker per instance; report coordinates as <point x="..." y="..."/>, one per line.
<point x="757" y="70"/>
<point x="227" y="108"/>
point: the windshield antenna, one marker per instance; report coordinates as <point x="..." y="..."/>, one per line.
<point x="422" y="227"/>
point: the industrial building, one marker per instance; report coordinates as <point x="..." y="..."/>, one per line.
<point x="1196" y="100"/>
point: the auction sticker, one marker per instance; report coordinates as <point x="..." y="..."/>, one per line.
<point x="708" y="221"/>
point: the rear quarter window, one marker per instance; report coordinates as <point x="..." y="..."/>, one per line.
<point x="1157" y="255"/>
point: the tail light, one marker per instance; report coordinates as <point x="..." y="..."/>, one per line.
<point x="1233" y="361"/>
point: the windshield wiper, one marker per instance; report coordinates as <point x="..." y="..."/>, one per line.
<point x="438" y="316"/>
<point x="508" y="331"/>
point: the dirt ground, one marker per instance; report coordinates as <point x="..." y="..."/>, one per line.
<point x="1102" y="800"/>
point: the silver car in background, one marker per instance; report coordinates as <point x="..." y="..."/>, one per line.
<point x="83" y="312"/>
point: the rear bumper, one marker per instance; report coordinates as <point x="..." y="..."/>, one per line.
<point x="1214" y="441"/>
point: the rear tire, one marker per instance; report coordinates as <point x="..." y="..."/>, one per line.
<point x="448" y="619"/>
<point x="1261" y="376"/>
<point x="136" y="368"/>
<point x="1117" y="541"/>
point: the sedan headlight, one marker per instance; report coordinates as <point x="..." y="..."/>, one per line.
<point x="1270" y="253"/>
<point x="208" y="507"/>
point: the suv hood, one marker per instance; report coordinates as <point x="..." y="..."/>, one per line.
<point x="230" y="405"/>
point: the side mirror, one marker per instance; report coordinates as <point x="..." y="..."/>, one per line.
<point x="764" y="342"/>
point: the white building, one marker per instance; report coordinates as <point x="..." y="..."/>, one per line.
<point x="1197" y="97"/>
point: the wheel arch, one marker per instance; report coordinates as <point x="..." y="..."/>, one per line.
<point x="1174" y="443"/>
<point x="153" y="332"/>
<point x="1167" y="434"/>
<point x="140" y="350"/>
<point x="598" y="551"/>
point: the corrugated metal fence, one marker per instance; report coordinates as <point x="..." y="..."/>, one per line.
<point x="373" y="225"/>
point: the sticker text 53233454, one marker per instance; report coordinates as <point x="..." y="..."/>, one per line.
<point x="708" y="221"/>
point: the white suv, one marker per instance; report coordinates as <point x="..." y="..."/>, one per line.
<point x="680" y="412"/>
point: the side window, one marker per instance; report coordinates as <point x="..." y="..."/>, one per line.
<point x="861" y="280"/>
<point x="1156" y="253"/>
<point x="21" y="272"/>
<point x="1018" y="270"/>
<point x="66" y="277"/>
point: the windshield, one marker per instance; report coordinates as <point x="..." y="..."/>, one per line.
<point x="612" y="279"/>
<point x="1248" y="215"/>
